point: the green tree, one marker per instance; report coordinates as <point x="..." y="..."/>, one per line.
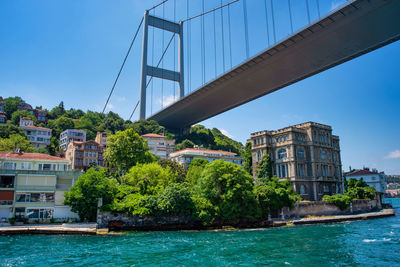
<point x="264" y="168"/>
<point x="15" y="117"/>
<point x="185" y="144"/>
<point x="147" y="179"/>
<point x="126" y="149"/>
<point x="8" y="129"/>
<point x="195" y="169"/>
<point x="358" y="189"/>
<point x="11" y="105"/>
<point x="83" y="196"/>
<point x="112" y="123"/>
<point x="248" y="159"/>
<point x="229" y="188"/>
<point x="273" y="194"/>
<point x="175" y="167"/>
<point x="16" y="141"/>
<point x="146" y="126"/>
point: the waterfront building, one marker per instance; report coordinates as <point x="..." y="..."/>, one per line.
<point x="83" y="155"/>
<point x="71" y="135"/>
<point x="101" y="138"/>
<point x="32" y="185"/>
<point x="39" y="136"/>
<point x="307" y="154"/>
<point x="372" y="178"/>
<point x="159" y="145"/>
<point x="185" y="156"/>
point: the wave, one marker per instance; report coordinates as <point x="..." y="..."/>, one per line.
<point x="377" y="240"/>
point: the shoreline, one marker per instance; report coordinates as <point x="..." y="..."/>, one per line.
<point x="90" y="229"/>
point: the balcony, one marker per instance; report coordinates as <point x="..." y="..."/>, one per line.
<point x="6" y="202"/>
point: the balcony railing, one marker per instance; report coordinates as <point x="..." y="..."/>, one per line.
<point x="6" y="202"/>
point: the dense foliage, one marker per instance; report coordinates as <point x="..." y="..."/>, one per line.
<point x="247" y="159"/>
<point x="83" y="196"/>
<point x="355" y="189"/>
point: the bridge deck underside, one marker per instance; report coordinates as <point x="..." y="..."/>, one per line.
<point x="356" y="29"/>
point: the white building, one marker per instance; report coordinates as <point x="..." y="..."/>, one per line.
<point x="71" y="135"/>
<point x="32" y="186"/>
<point x="159" y="145"/>
<point x="372" y="178"/>
<point x="39" y="136"/>
<point x="185" y="156"/>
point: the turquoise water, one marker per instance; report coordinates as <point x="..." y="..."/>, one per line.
<point x="372" y="243"/>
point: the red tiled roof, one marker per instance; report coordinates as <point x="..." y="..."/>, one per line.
<point x="153" y="135"/>
<point x="35" y="127"/>
<point x="361" y="172"/>
<point x="207" y="150"/>
<point x="31" y="156"/>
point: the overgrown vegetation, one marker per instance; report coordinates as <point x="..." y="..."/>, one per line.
<point x="355" y="189"/>
<point x="210" y="192"/>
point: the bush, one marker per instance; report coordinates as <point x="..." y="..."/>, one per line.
<point x="340" y="201"/>
<point x="11" y="220"/>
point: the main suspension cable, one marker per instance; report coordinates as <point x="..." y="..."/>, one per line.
<point x="123" y="64"/>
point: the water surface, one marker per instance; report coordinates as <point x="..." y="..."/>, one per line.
<point x="371" y="243"/>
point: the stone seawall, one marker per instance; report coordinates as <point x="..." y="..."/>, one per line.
<point x="322" y="208"/>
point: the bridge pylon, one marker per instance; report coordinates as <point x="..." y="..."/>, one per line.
<point x="155" y="71"/>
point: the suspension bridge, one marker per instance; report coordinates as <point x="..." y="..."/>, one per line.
<point x="352" y="29"/>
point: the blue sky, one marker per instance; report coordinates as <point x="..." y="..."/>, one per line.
<point x="71" y="51"/>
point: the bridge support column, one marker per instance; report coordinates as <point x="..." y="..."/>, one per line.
<point x="155" y="71"/>
<point x="143" y="80"/>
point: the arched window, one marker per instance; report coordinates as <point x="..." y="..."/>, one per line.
<point x="300" y="153"/>
<point x="282" y="153"/>
<point x="303" y="190"/>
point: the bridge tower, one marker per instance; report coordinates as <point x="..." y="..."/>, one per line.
<point x="154" y="71"/>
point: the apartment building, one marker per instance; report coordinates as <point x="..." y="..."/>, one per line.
<point x="2" y="104"/>
<point x="83" y="155"/>
<point x="101" y="138"/>
<point x="32" y="186"/>
<point x="307" y="154"/>
<point x="39" y="136"/>
<point x="70" y="135"/>
<point x="184" y="157"/>
<point x="371" y="177"/>
<point x="159" y="145"/>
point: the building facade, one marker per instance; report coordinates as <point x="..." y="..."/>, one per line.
<point x="70" y="135"/>
<point x="41" y="115"/>
<point x="27" y="107"/>
<point x="372" y="178"/>
<point x="101" y="138"/>
<point x="307" y="154"/>
<point x="39" y="136"/>
<point x="83" y="155"/>
<point x="32" y="186"/>
<point x="159" y="145"/>
<point x="184" y="157"/>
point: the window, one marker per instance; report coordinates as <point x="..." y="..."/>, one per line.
<point x="301" y="169"/>
<point x="326" y="189"/>
<point x="47" y="167"/>
<point x="282" y="153"/>
<point x="25" y="166"/>
<point x="335" y="157"/>
<point x="303" y="190"/>
<point x="300" y="153"/>
<point x="323" y="154"/>
<point x="39" y="213"/>
<point x="9" y="165"/>
<point x="324" y="170"/>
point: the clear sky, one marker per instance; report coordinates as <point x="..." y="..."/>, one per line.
<point x="71" y="51"/>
